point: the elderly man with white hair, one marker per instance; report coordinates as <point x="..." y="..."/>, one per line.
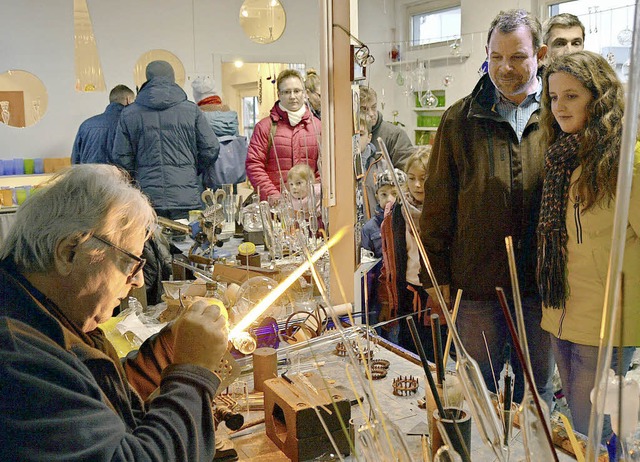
<point x="71" y="256"/>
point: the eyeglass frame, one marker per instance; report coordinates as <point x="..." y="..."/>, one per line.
<point x="140" y="262"/>
<point x="295" y="92"/>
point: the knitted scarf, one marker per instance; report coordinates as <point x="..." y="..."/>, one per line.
<point x="561" y="160"/>
<point x="215" y="99"/>
<point x="294" y="116"/>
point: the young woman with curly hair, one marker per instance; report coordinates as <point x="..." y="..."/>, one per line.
<point x="581" y="119"/>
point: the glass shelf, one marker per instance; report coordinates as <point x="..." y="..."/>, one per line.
<point x="435" y="61"/>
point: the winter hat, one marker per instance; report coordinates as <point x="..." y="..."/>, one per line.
<point x="385" y="178"/>
<point x="204" y="87"/>
<point x="160" y="69"/>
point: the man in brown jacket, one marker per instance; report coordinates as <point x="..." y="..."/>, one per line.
<point x="484" y="183"/>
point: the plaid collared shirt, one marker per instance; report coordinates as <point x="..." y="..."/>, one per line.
<point x="518" y="114"/>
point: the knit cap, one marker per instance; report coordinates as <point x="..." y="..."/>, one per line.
<point x="203" y="87"/>
<point x="385" y="178"/>
<point x="160" y="69"/>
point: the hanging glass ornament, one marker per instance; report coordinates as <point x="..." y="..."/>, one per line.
<point x="625" y="70"/>
<point x="625" y="37"/>
<point x="400" y="79"/>
<point x="420" y="74"/>
<point x="447" y="80"/>
<point x="428" y="99"/>
<point x="455" y="47"/>
<point x="390" y="73"/>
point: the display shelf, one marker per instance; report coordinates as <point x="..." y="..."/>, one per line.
<point x="434" y="61"/>
<point x="426" y="129"/>
<point x="427" y="109"/>
<point x="12" y="181"/>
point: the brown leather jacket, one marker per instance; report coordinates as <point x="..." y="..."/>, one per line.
<point x="482" y="185"/>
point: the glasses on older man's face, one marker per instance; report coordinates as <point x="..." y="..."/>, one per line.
<point x="134" y="267"/>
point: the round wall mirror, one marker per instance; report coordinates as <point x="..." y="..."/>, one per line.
<point x="139" y="72"/>
<point x="23" y="99"/>
<point x="263" y="21"/>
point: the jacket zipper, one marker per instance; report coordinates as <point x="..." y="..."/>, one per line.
<point x="578" y="223"/>
<point x="576" y="217"/>
<point x="564" y="312"/>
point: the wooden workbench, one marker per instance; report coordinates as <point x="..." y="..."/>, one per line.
<point x="253" y="444"/>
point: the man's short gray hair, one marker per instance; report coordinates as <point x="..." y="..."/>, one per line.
<point x="508" y="21"/>
<point x="77" y="202"/>
<point x="565" y="20"/>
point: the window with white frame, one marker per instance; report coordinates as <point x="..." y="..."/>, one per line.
<point x="434" y="22"/>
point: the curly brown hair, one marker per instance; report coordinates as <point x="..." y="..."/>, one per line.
<point x="600" y="141"/>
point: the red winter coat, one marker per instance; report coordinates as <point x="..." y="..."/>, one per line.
<point x="293" y="145"/>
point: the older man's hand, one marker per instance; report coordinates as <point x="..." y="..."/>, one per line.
<point x="201" y="335"/>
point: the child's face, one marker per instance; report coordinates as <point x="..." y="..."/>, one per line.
<point x="415" y="181"/>
<point x="297" y="187"/>
<point x="365" y="138"/>
<point x="385" y="194"/>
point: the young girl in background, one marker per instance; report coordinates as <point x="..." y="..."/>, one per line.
<point x="581" y="119"/>
<point x="300" y="181"/>
<point x="401" y="260"/>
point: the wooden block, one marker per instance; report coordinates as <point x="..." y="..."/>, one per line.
<point x="292" y="423"/>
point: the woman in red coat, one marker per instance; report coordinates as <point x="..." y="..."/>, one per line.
<point x="289" y="136"/>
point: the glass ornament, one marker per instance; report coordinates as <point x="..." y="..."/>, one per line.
<point x="625" y="37"/>
<point x="428" y="99"/>
<point x="251" y="218"/>
<point x="252" y="291"/>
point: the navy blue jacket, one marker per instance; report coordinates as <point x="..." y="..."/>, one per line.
<point x="94" y="141"/>
<point x="371" y="239"/>
<point x="165" y="143"/>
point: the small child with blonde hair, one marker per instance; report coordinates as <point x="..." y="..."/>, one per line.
<point x="300" y="180"/>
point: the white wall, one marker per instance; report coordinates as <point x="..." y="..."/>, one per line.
<point x="37" y="37"/>
<point x="378" y="17"/>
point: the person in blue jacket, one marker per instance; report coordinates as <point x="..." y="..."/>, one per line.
<point x="165" y="143"/>
<point x="229" y="168"/>
<point x="94" y="141"/>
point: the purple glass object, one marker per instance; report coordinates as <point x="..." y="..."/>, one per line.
<point x="9" y="167"/>
<point x="18" y="166"/>
<point x="266" y="334"/>
<point x="38" y="166"/>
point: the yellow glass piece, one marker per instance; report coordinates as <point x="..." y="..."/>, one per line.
<point x="247" y="248"/>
